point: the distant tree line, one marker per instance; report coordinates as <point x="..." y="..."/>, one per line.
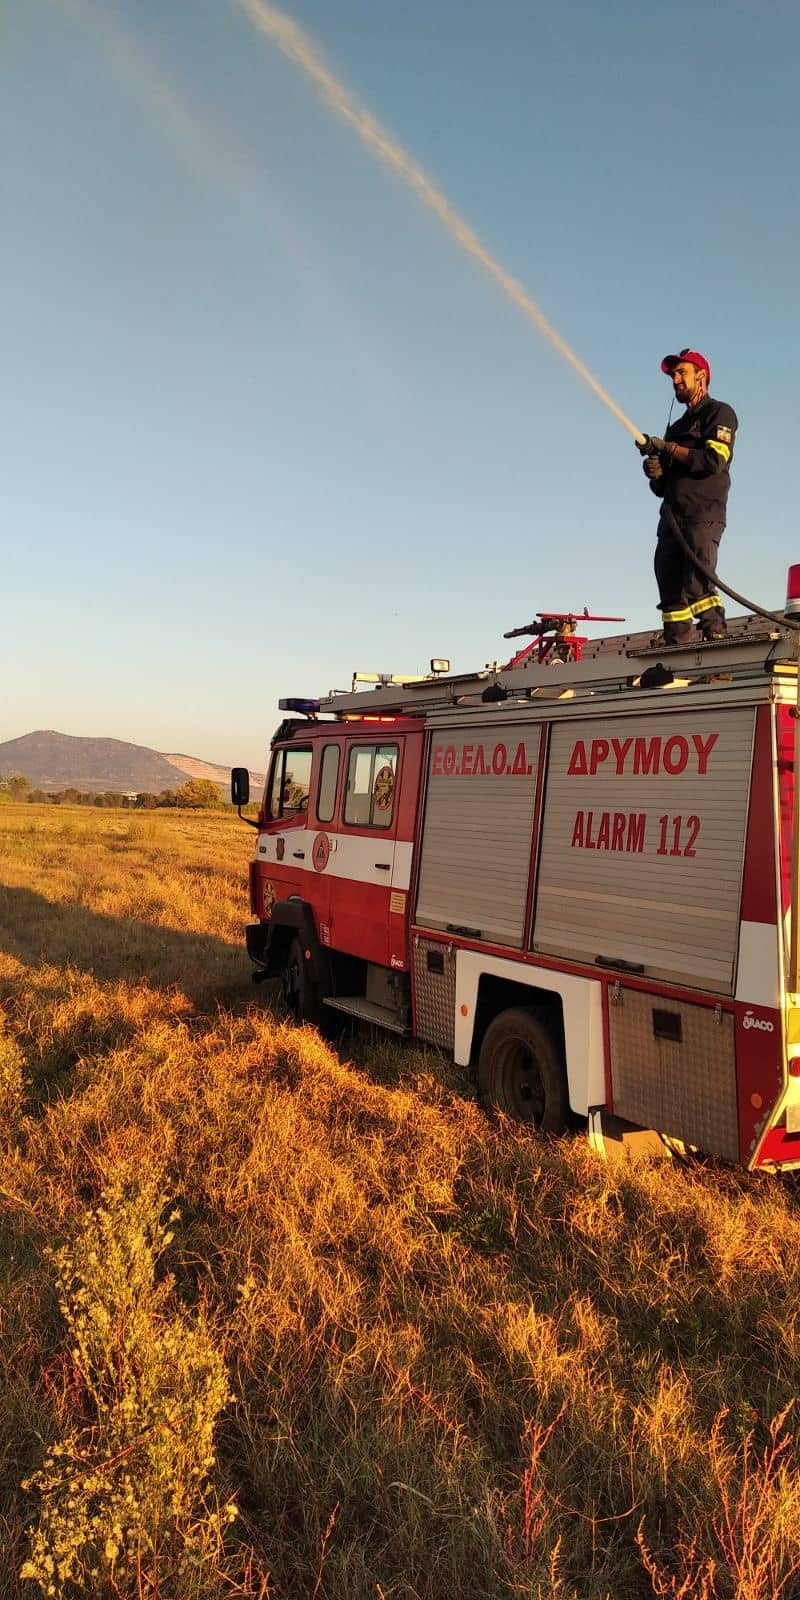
<point x="198" y="794"/>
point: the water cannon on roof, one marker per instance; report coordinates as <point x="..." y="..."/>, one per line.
<point x="554" y="637"/>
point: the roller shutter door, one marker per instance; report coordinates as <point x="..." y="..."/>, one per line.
<point x="477" y="833"/>
<point x="643" y="843"/>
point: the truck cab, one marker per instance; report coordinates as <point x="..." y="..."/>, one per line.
<point x="333" y="860"/>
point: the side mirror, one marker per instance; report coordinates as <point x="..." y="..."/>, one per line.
<point x="240" y="786"/>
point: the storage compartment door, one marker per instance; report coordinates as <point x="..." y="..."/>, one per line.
<point x="673" y="1068"/>
<point x="476" y="838"/>
<point x="643" y="842"/>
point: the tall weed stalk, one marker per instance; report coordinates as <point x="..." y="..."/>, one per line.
<point x="128" y="1494"/>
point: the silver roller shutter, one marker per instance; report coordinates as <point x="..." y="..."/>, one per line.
<point x="615" y="879"/>
<point x="477" y="833"/>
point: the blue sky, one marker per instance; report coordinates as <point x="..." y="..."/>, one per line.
<point x="264" y="422"/>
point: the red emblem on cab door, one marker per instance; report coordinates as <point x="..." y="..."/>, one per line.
<point x="321" y="852"/>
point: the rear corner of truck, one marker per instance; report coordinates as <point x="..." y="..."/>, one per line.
<point x="770" y="1060"/>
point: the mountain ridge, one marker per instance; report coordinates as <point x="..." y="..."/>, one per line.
<point x="54" y="761"/>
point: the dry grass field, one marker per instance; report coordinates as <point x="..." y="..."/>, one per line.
<point x="281" y="1322"/>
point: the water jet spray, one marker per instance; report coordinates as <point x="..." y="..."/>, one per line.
<point x="298" y="47"/>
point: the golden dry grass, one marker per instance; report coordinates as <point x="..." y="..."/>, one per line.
<point x="460" y="1362"/>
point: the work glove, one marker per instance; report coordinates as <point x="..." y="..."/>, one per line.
<point x="653" y="446"/>
<point x="652" y="468"/>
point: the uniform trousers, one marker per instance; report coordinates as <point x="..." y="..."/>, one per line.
<point x="685" y="594"/>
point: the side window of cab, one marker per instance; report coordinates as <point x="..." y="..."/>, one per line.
<point x="289" y="783"/>
<point x="328" y="782"/>
<point x="370" y="788"/>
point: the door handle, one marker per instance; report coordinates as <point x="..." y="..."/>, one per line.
<point x="299" y="855"/>
<point x="384" y="866"/>
<point x="618" y="964"/>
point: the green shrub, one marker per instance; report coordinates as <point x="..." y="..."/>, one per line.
<point x="129" y="1495"/>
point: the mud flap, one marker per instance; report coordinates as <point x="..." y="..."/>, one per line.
<point x="290" y="918"/>
<point x="616" y="1140"/>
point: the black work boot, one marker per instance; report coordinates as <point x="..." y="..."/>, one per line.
<point x="713" y="627"/>
<point x="712" y="624"/>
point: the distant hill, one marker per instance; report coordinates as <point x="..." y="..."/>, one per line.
<point x="54" y="761"/>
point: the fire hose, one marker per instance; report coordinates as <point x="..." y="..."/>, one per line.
<point x="750" y="605"/>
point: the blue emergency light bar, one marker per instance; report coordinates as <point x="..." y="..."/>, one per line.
<point x="307" y="708"/>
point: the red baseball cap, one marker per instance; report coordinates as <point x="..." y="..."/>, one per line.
<point x="670" y="362"/>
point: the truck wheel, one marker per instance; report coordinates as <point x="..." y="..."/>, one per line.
<point x="300" y="994"/>
<point x="521" y="1071"/>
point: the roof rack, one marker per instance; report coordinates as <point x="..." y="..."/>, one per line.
<point x="618" y="661"/>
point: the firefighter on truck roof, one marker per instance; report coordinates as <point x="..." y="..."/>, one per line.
<point x="689" y="471"/>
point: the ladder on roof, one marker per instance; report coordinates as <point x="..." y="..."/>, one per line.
<point x="616" y="661"/>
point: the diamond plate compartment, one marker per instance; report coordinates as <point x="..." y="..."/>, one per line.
<point x="435" y="992"/>
<point x="673" y="1068"/>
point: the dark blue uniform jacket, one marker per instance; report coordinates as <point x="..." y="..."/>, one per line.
<point x="698" y="488"/>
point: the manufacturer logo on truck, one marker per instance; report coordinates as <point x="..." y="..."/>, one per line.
<point x="749" y="1021"/>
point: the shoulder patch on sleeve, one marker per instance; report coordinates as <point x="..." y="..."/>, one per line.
<point x="724" y="435"/>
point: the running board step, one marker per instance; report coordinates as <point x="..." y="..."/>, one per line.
<point x="356" y="1006"/>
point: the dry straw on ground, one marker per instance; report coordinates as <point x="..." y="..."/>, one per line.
<point x="384" y="1347"/>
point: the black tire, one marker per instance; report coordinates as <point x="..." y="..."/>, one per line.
<point x="301" y="996"/>
<point x="521" y="1071"/>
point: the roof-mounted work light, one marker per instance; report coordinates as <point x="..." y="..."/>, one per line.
<point x="439" y="665"/>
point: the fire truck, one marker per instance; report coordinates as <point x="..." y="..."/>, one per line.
<point x="575" y="873"/>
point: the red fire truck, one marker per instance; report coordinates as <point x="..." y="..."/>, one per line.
<point x="578" y="874"/>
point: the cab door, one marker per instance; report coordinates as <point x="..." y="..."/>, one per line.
<point x="361" y="864"/>
<point x="283" y="844"/>
<point x="322" y="838"/>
